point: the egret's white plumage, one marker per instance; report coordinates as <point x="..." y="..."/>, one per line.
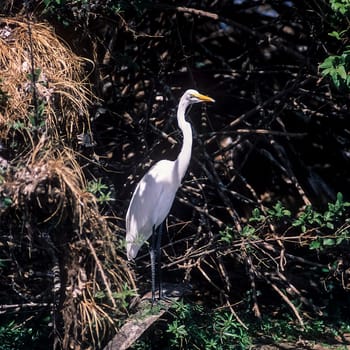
<point x="150" y="204"/>
<point x="155" y="193"/>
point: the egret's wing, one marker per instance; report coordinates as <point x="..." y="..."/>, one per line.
<point x="149" y="206"/>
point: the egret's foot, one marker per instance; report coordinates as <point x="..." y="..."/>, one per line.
<point x="159" y="297"/>
<point x="164" y="297"/>
<point x="168" y="293"/>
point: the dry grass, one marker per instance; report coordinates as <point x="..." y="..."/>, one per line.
<point x="43" y="196"/>
<point x="49" y="194"/>
<point x="59" y="86"/>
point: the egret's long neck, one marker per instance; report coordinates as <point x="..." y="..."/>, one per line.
<point x="184" y="157"/>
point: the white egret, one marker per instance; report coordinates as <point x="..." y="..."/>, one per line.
<point x="154" y="194"/>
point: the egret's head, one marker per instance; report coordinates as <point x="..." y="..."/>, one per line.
<point x="193" y="96"/>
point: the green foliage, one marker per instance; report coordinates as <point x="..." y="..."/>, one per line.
<point x="338" y="35"/>
<point x="18" y="125"/>
<point x="325" y="229"/>
<point x="336" y="68"/>
<point x="100" y="190"/>
<point x="331" y="224"/>
<point x="193" y="326"/>
<point x="307" y="218"/>
<point x="35" y="76"/>
<point x="12" y="337"/>
<point x="37" y="118"/>
<point x="321" y="243"/>
<point x="226" y="235"/>
<point x="277" y="213"/>
<point x="251" y="230"/>
<point x="5" y="202"/>
<point x="15" y="336"/>
<point x="284" y="329"/>
<point x="257" y="216"/>
<point x="122" y="298"/>
<point x="340" y="6"/>
<point x="248" y="231"/>
<point x="2" y="179"/>
<point x="178" y="333"/>
<point x="230" y="331"/>
<point x="124" y="295"/>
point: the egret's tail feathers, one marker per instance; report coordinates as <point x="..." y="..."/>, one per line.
<point x="133" y="245"/>
<point x="132" y="250"/>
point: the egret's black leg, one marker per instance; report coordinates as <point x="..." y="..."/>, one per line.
<point x="153" y="252"/>
<point x="159" y="269"/>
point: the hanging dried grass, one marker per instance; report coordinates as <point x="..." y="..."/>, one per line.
<point x="50" y="193"/>
<point x="43" y="196"/>
<point x="62" y="95"/>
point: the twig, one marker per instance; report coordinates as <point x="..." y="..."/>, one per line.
<point x="24" y="305"/>
<point x="202" y="211"/>
<point x="288" y="170"/>
<point x="99" y="266"/>
<point x="262" y="37"/>
<point x="222" y="293"/>
<point x="286" y="300"/>
<point x="220" y="187"/>
<point x="253" y="131"/>
<point x="295" y="85"/>
<point x="251" y="275"/>
<point x="224" y="273"/>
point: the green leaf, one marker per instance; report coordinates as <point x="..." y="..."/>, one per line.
<point x="339" y="197"/>
<point x="248" y="231"/>
<point x="297" y="222"/>
<point x="328" y="62"/>
<point x="328" y="215"/>
<point x="340" y="240"/>
<point x="256" y="216"/>
<point x="336" y="35"/>
<point x="6" y="202"/>
<point x="328" y="241"/>
<point x="336" y="80"/>
<point x="315" y="245"/>
<point x="330" y="225"/>
<point x="327" y="71"/>
<point x="342" y="72"/>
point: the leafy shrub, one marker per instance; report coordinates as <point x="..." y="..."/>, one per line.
<point x="336" y="67"/>
<point x="15" y="336"/>
<point x="340" y="6"/>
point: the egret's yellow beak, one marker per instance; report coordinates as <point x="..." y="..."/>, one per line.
<point x="204" y="98"/>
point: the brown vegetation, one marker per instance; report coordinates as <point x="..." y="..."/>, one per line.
<point x="62" y="251"/>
